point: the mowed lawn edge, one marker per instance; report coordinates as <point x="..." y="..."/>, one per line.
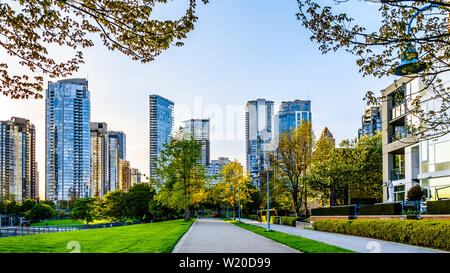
<point x="304" y="245"/>
<point x="158" y="237"/>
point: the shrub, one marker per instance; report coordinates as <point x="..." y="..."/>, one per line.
<point x="381" y="209"/>
<point x="434" y="234"/>
<point x="416" y="193"/>
<point x="334" y="211"/>
<point x="438" y="207"/>
<point x="289" y="221"/>
<point x="40" y="212"/>
<point x="254" y="217"/>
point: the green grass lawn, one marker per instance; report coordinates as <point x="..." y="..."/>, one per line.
<point x="301" y="244"/>
<point x="159" y="237"/>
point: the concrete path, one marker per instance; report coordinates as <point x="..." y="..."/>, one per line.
<point x="212" y="235"/>
<point x="355" y="243"/>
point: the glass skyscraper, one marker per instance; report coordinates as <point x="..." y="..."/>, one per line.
<point x="67" y="121"/>
<point x="200" y="130"/>
<point x="18" y="168"/>
<point x="291" y="115"/>
<point x="160" y="127"/>
<point x="371" y="121"/>
<point x="99" y="159"/>
<point x="122" y="143"/>
<point x="258" y="133"/>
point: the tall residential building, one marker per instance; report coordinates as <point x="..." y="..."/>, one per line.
<point x="18" y="167"/>
<point x="407" y="160"/>
<point x="326" y="133"/>
<point x="124" y="175"/>
<point x="113" y="161"/>
<point x="122" y="143"/>
<point x="258" y="134"/>
<point x="160" y="127"/>
<point x="371" y="121"/>
<point x="290" y="115"/>
<point x="200" y="130"/>
<point x="99" y="159"/>
<point x="135" y="177"/>
<point x="67" y="136"/>
<point x="215" y="167"/>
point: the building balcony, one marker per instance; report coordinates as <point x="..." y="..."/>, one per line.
<point x="397" y="174"/>
<point x="397" y="136"/>
<point x="398" y="111"/>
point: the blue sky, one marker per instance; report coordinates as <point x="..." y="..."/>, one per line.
<point x="240" y="50"/>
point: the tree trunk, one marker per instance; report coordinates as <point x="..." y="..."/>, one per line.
<point x="187" y="214"/>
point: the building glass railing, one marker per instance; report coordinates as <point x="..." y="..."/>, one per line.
<point x="397" y="174"/>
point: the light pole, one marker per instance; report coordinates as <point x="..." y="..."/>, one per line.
<point x="268" y="192"/>
<point x="239" y="202"/>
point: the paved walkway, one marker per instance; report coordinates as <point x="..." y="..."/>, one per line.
<point x="355" y="243"/>
<point x="212" y="235"/>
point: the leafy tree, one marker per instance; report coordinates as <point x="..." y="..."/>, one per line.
<point x="291" y="162"/>
<point x="40" y="211"/>
<point x="137" y="200"/>
<point x="86" y="209"/>
<point x="27" y="205"/>
<point x="113" y="206"/>
<point x="33" y="27"/>
<point x="378" y="52"/>
<point x="330" y="172"/>
<point x="234" y="185"/>
<point x="49" y="203"/>
<point x="356" y="166"/>
<point x="182" y="183"/>
<point x="255" y="201"/>
<point x="12" y="207"/>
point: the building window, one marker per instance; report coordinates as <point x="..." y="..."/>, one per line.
<point x="399" y="193"/>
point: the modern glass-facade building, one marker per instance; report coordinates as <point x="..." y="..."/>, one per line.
<point x="18" y="168"/>
<point x="113" y="162"/>
<point x="290" y="115"/>
<point x="371" y="121"/>
<point x="160" y="127"/>
<point x="408" y="160"/>
<point x="122" y="143"/>
<point x="258" y="134"/>
<point x="200" y="130"/>
<point x="99" y="182"/>
<point x="67" y="121"/>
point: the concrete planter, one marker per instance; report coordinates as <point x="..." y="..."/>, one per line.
<point x="302" y="224"/>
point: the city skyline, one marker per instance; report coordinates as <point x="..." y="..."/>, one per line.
<point x="203" y="72"/>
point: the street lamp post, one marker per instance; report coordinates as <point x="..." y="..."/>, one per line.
<point x="268" y="192"/>
<point x="239" y="202"/>
<point x="410" y="63"/>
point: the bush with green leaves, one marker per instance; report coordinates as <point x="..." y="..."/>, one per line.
<point x="438" y="207"/>
<point x="40" y="212"/>
<point x="425" y="233"/>
<point x="416" y="193"/>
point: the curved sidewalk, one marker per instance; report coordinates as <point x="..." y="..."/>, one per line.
<point x="354" y="243"/>
<point x="212" y="235"/>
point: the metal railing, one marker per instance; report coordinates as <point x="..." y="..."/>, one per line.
<point x="34" y="230"/>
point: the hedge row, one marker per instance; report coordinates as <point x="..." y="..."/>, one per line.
<point x="374" y="209"/>
<point x="254" y="217"/>
<point x="433" y="234"/>
<point x="438" y="207"/>
<point x="334" y="211"/>
<point x="381" y="209"/>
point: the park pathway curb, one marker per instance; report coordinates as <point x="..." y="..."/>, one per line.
<point x="213" y="235"/>
<point x="354" y="243"/>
